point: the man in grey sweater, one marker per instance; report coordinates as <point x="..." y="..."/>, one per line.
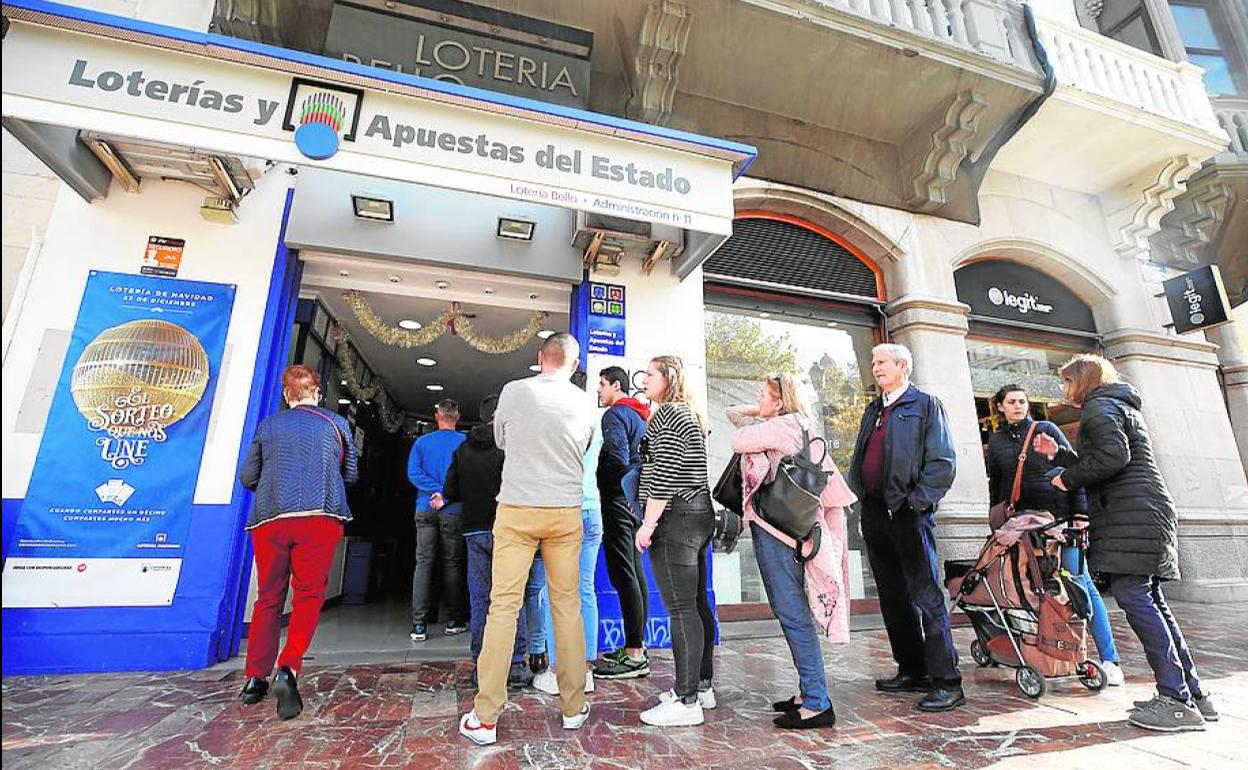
<point x="544" y="424"/>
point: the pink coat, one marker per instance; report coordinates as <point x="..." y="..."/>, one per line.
<point x="762" y="445"/>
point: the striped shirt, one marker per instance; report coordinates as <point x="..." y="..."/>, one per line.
<point x="674" y="458"/>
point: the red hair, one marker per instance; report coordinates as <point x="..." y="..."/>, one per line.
<point x="299" y="382"/>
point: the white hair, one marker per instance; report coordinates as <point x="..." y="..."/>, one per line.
<point x="899" y="353"/>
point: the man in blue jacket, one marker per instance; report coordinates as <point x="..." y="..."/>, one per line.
<point x="903" y="466"/>
<point x="438" y="526"/>
<point x="623" y="427"/>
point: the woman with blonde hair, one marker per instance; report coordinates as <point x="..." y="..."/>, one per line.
<point x="1134" y="541"/>
<point x="810" y="598"/>
<point x="677" y="527"/>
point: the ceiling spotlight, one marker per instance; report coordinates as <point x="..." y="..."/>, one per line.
<point x="345" y="273"/>
<point x="534" y="295"/>
<point x="434" y="388"/>
<point x="409" y="324"/>
<point x="395" y="279"/>
<point x="344" y="401"/>
<point x="444" y="285"/>
<point x="426" y="361"/>
<point x="373" y="209"/>
<point x="545" y="334"/>
<point x="343" y="382"/>
<point x="515" y="229"/>
<point x="535" y="368"/>
<point x="764" y="314"/>
<point x="488" y="290"/>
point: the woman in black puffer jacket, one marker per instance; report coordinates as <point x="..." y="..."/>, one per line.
<point x="1134" y="541"/>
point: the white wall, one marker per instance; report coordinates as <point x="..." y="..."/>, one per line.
<point x="111" y="235"/>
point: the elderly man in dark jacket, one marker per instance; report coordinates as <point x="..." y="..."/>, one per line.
<point x="1134" y="539"/>
<point x="903" y="466"/>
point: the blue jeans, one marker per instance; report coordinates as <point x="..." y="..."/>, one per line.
<point x="536" y="612"/>
<point x="591" y="519"/>
<point x="785" y="581"/>
<point x="1099" y="622"/>
<point x="1139" y="596"/>
<point x="480" y="548"/>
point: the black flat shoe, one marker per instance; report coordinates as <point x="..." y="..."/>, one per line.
<point x="254" y="690"/>
<point x="785" y="706"/>
<point x="286" y="688"/>
<point x="942" y="699"/>
<point x="904" y="683"/>
<point x="792" y="720"/>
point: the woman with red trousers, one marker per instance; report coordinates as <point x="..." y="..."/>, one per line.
<point x="298" y="465"/>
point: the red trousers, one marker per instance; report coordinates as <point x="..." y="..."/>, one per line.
<point x="297" y="552"/>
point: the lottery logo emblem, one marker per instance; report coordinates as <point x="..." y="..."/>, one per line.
<point x="320" y="119"/>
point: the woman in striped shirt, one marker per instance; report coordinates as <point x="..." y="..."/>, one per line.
<point x="677" y="530"/>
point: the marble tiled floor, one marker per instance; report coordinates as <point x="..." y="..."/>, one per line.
<point x="402" y="714"/>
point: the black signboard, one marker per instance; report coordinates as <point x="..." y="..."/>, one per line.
<point x="1197" y="299"/>
<point x="1009" y="291"/>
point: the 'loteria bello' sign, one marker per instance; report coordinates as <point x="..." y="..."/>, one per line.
<point x="142" y="91"/>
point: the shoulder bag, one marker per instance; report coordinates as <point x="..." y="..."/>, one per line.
<point x="790" y="503"/>
<point x="1003" y="510"/>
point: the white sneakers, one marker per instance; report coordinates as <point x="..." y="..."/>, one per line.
<point x="1113" y="673"/>
<point x="476" y="731"/>
<point x="673" y="713"/>
<point x="575" y="721"/>
<point x="547" y="682"/>
<point x="706" y="698"/>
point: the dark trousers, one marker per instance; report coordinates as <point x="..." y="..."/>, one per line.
<point x="679" y="552"/>
<point x="628" y="577"/>
<point x="480" y="547"/>
<point x="294" y="552"/>
<point x="902" y="554"/>
<point x="439" y="534"/>
<point x="1139" y="596"/>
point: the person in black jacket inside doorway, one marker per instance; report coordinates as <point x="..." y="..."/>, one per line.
<point x="903" y="466"/>
<point x="1134" y="539"/>
<point x="473" y="479"/>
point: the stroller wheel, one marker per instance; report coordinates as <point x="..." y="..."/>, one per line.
<point x="1092" y="676"/>
<point x="1029" y="681"/>
<point x="980" y="654"/>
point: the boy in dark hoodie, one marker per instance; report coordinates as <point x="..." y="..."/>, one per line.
<point x="623" y="427"/>
<point x="473" y="479"/>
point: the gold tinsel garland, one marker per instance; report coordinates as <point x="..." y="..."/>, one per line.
<point x="392" y="418"/>
<point x="451" y="320"/>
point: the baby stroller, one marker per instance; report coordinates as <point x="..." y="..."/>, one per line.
<point x="1028" y="613"/>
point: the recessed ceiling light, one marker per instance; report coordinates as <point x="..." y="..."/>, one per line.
<point x="345" y="273"/>
<point x="488" y="290"/>
<point x="395" y="279"/>
<point x="535" y="368"/>
<point x="443" y="284"/>
<point x="545" y="334"/>
<point x="831" y="323"/>
<point x="409" y="324"/>
<point x="426" y="361"/>
<point x="534" y="295"/>
<point x="764" y="314"/>
<point x="342" y="382"/>
<point x="344" y="401"/>
<point x="434" y="388"/>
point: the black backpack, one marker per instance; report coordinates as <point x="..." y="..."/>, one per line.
<point x="790" y="503"/>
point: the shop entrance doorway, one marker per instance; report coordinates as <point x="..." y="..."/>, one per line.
<point x="362" y="324"/>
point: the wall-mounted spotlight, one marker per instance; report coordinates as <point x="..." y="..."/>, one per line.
<point x="515" y="229"/>
<point x="373" y="209"/>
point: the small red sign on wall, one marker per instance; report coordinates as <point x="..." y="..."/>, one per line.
<point x="163" y="256"/>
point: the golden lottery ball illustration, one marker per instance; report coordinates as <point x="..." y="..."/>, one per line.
<point x="166" y="362"/>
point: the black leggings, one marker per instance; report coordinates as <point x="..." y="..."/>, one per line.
<point x="628" y="577"/>
<point x="679" y="552"/>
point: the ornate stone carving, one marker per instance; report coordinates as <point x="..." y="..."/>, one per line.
<point x="950" y="145"/>
<point x="1141" y="218"/>
<point x="664" y="37"/>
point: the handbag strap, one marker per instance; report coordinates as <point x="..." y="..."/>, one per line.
<point x="807" y="441"/>
<point x="342" y="444"/>
<point x="1017" y="491"/>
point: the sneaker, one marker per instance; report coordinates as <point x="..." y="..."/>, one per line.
<point x="477" y="731"/>
<point x="575" y="721"/>
<point x="548" y="683"/>
<point x="627" y="667"/>
<point x="455" y="628"/>
<point x="538" y="662"/>
<point x="706" y="698"/>
<point x="420" y="632"/>
<point x="1167" y="715"/>
<point x="1113" y="673"/>
<point x="674" y="713"/>
<point x="518" y="676"/>
<point x="1206" y="709"/>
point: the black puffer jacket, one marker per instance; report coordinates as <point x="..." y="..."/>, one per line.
<point x="1037" y="492"/>
<point x="474" y="478"/>
<point x="1134" y="523"/>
